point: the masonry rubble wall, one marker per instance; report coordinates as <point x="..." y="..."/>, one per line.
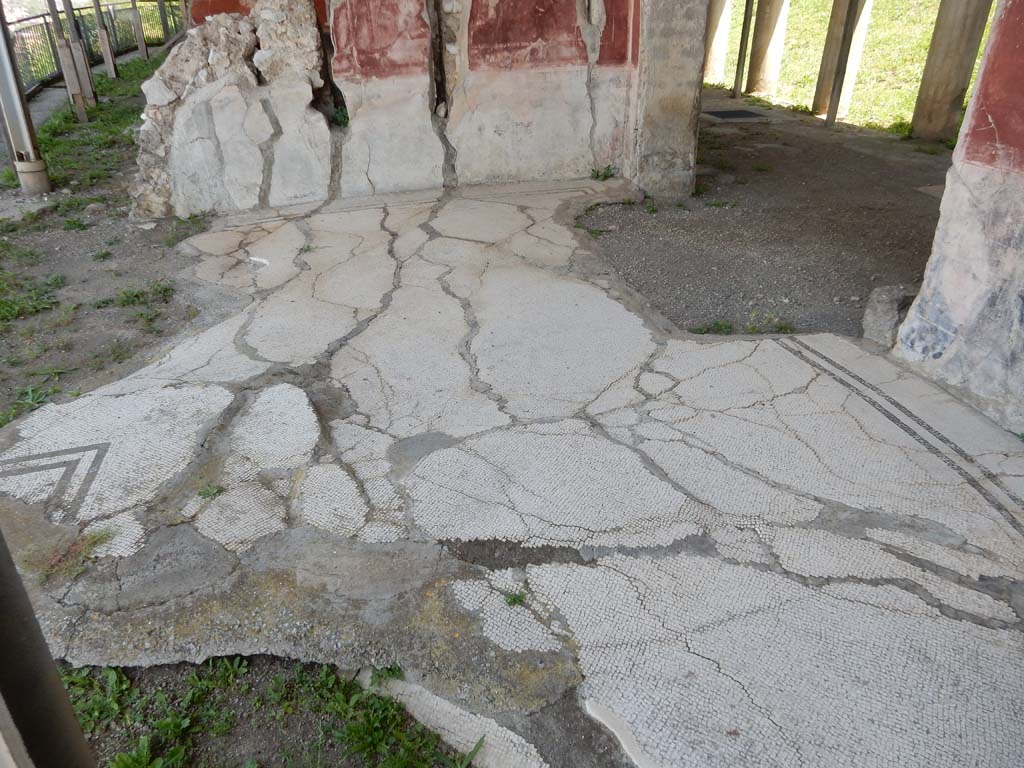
<point x="436" y="92"/>
<point x="229" y="123"/>
<point x="966" y="327"/>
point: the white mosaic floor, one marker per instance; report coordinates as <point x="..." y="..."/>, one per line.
<point x="796" y="553"/>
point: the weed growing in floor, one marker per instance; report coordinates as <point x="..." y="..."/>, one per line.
<point x="652" y="209"/>
<point x="51" y="374"/>
<point x="718" y="327"/>
<point x="596" y="233"/>
<point x="74" y="203"/>
<point x="165" y="727"/>
<point x="762" y="168"/>
<point x="382" y="674"/>
<point x="75" y="225"/>
<point x="102" y="256"/>
<point x="210" y="490"/>
<point x="515" y="598"/>
<point x="156" y="292"/>
<point x="148" y="318"/>
<point x="183" y="229"/>
<point x="9" y="179"/>
<point x="760" y="322"/>
<point x="99" y="696"/>
<point x="603" y="174"/>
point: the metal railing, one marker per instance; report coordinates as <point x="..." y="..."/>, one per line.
<point x="34" y="45"/>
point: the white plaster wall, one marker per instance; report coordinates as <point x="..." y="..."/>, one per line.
<point x="966" y="327"/>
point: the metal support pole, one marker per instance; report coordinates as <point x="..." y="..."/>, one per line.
<point x="852" y="14"/>
<point x="103" y="36"/>
<point x="35" y="714"/>
<point x="67" y="65"/>
<point x="161" y="6"/>
<point x="52" y="40"/>
<point x="748" y="15"/>
<point x="112" y="21"/>
<point x="20" y="135"/>
<point x="186" y="17"/>
<point x="140" y="33"/>
<point x="80" y="56"/>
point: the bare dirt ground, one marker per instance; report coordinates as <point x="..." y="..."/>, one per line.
<point x="84" y="290"/>
<point x="792" y="228"/>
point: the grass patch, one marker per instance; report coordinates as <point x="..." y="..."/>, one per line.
<point x="22" y="297"/>
<point x="894" y="55"/>
<point x="181" y="723"/>
<point x="183" y="229"/>
<point x="157" y="292"/>
<point x="718" y="327"/>
<point x="88" y="153"/>
<point x="603" y="174"/>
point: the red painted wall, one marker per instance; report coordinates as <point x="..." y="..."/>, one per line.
<point x="380" y="38"/>
<point x="201" y="9"/>
<point x="995" y="133"/>
<point x="617" y="38"/>
<point x="515" y="34"/>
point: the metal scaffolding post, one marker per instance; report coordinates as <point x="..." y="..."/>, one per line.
<point x="21" y="137"/>
<point x="80" y="56"/>
<point x="67" y="64"/>
<point x="103" y="36"/>
<point x="140" y="33"/>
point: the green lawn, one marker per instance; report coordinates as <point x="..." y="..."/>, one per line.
<point x="894" y="57"/>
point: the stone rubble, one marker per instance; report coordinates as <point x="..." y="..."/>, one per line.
<point x="228" y="123"/>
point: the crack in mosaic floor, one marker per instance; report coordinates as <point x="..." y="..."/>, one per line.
<point x="443" y="435"/>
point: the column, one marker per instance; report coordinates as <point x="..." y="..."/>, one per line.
<point x="766" y="47"/>
<point x="947" y="72"/>
<point x="671" y="77"/>
<point x="830" y="57"/>
<point x="719" y="15"/>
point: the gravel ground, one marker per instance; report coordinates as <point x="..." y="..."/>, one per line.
<point x="793" y="224"/>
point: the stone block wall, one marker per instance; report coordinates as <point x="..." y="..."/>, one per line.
<point x="966" y="327"/>
<point x="438" y="92"/>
